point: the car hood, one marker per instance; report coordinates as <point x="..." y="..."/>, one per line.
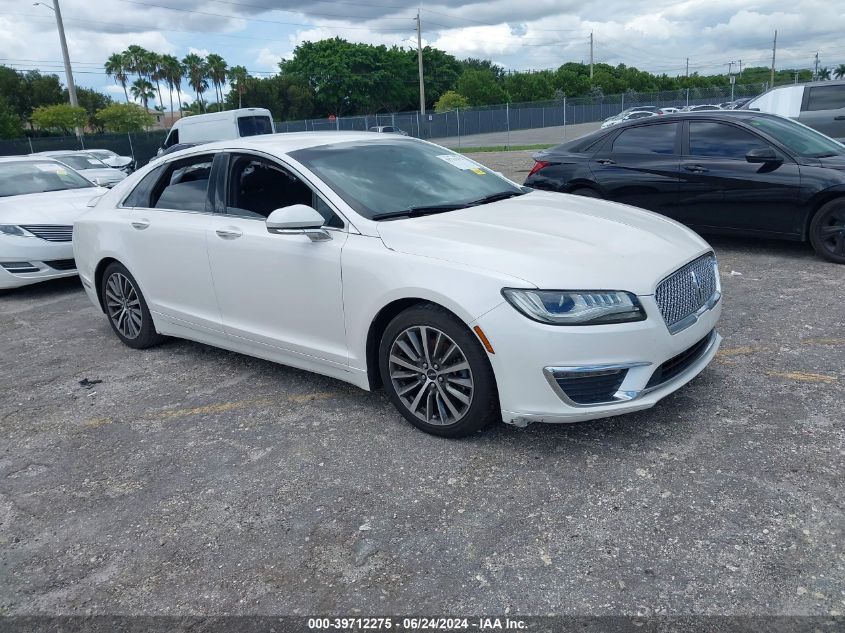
<point x="117" y="161"/>
<point x="50" y="207"/>
<point x="553" y="241"/>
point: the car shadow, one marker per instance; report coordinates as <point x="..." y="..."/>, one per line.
<point x="51" y="289"/>
<point x="761" y="246"/>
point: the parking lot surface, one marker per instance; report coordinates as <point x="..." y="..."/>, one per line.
<point x="189" y="480"/>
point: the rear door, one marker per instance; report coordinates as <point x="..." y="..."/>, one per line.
<point x="639" y="166"/>
<point x="823" y="109"/>
<point x="720" y="189"/>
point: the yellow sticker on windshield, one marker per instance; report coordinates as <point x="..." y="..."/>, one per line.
<point x="61" y="172"/>
<point x="478" y="170"/>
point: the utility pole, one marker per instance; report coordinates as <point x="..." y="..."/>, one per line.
<point x="740" y="67"/>
<point x="71" y="86"/>
<point x="591" y="55"/>
<point x="816" y="67"/>
<point x="774" y="50"/>
<point x="688" y="67"/>
<point x="420" y="64"/>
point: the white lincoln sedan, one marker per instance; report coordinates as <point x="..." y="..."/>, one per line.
<point x="385" y="260"/>
<point x="39" y="200"/>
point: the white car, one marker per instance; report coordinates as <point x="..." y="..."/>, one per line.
<point x="819" y="105"/>
<point x="388" y="129"/>
<point x="629" y="116"/>
<point x="382" y="259"/>
<point x="92" y="168"/>
<point x="113" y="159"/>
<point x="39" y="200"/>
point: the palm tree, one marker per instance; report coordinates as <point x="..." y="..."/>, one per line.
<point x="116" y="68"/>
<point x="824" y="74"/>
<point x="173" y="72"/>
<point x="217" y="68"/>
<point x="156" y="72"/>
<point x="239" y="76"/>
<point x="142" y="90"/>
<point x="839" y="73"/>
<point x="196" y="70"/>
<point x="136" y="58"/>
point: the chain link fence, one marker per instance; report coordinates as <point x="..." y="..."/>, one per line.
<point x="456" y="124"/>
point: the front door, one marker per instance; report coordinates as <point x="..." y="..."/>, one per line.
<point x="720" y="189"/>
<point x="282" y="291"/>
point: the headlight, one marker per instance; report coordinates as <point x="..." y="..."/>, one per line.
<point x="576" y="307"/>
<point x="11" y="229"/>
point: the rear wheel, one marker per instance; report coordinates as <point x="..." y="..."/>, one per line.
<point x="586" y="192"/>
<point x="827" y="231"/>
<point x="126" y="308"/>
<point x="436" y="373"/>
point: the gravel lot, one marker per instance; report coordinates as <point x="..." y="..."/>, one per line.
<point x="193" y="480"/>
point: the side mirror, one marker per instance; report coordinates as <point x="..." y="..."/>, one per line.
<point x="762" y="155"/>
<point x="298" y="219"/>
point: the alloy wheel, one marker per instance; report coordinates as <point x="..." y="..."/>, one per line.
<point x="123" y="305"/>
<point x="431" y="375"/>
<point x="832" y="232"/>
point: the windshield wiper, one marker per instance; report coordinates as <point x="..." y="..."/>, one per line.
<point x="495" y="197"/>
<point x="415" y="212"/>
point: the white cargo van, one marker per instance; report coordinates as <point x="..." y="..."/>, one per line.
<point x="219" y="126"/>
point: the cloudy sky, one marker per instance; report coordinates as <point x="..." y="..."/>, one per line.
<point x="656" y="35"/>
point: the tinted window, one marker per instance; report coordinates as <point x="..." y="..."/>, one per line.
<point x="798" y="138"/>
<point x="258" y="187"/>
<point x="826" y="97"/>
<point x="184" y="185"/>
<point x="648" y="139"/>
<point x="720" y="140"/>
<point x="390" y="174"/>
<point x="172" y="139"/>
<point x="140" y="196"/>
<point x="254" y="125"/>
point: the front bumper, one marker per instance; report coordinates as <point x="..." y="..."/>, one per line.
<point x="527" y="353"/>
<point x="42" y="256"/>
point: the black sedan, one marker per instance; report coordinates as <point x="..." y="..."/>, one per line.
<point x="734" y="172"/>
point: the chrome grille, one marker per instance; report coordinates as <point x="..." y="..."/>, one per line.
<point x="50" y="232"/>
<point x="686" y="291"/>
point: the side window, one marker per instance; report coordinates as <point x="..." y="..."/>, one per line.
<point x="257" y="187"/>
<point x="172" y="139"/>
<point x="184" y="185"/>
<point x="254" y="125"/>
<point x="826" y="98"/>
<point x="648" y="139"/>
<point x="140" y="196"/>
<point x="720" y="140"/>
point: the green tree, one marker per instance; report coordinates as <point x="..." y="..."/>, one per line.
<point x="450" y="100"/>
<point x="480" y="87"/>
<point x="196" y="71"/>
<point x="823" y="74"/>
<point x="217" y="72"/>
<point x="92" y="101"/>
<point x="286" y="97"/>
<point x="117" y="68"/>
<point x="239" y="78"/>
<point x="10" y="124"/>
<point x="156" y="70"/>
<point x="62" y="117"/>
<point x="173" y="73"/>
<point x="839" y="73"/>
<point x="124" y="118"/>
<point x="142" y="90"/>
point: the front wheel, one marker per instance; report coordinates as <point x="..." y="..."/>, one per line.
<point x="127" y="309"/>
<point x="436" y="372"/>
<point x="827" y="231"/>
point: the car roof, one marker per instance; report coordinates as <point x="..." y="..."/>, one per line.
<point x="286" y="142"/>
<point x="26" y="158"/>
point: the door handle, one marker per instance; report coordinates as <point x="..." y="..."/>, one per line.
<point x="841" y="117"/>
<point x="229" y="233"/>
<point x="605" y="161"/>
<point x="140" y="224"/>
<point x="696" y="169"/>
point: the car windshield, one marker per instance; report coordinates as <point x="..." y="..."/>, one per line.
<point x="798" y="138"/>
<point x="20" y="178"/>
<point x="391" y="176"/>
<point x="81" y="161"/>
<point x="102" y="153"/>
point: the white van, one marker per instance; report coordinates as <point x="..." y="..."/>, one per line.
<point x="219" y="126"/>
<point x="819" y="105"/>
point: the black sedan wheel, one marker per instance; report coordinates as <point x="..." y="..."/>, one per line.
<point x="827" y="231"/>
<point x="436" y="372"/>
<point x="126" y="308"/>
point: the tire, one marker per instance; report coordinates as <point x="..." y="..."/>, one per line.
<point x="449" y="402"/>
<point x="827" y="231"/>
<point x="127" y="309"/>
<point x="586" y="192"/>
